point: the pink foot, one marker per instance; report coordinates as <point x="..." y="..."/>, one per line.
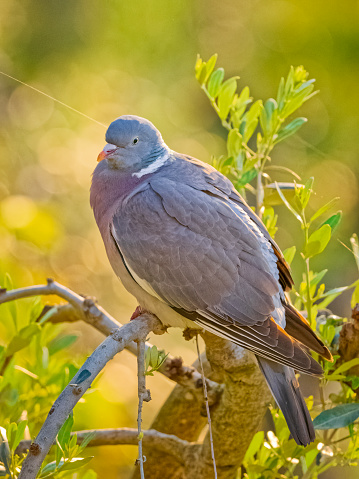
<point x="137" y="312"/>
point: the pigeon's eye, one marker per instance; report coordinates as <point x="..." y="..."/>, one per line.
<point x="135" y="140"/>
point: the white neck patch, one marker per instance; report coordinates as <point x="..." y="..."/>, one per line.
<point x="161" y="160"/>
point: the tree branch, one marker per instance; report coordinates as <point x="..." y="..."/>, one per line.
<point x="81" y="308"/>
<point x="143" y="395"/>
<point x="235" y="418"/>
<point x="167" y="443"/>
<point x="113" y="344"/>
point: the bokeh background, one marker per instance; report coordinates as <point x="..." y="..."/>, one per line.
<point x="111" y="58"/>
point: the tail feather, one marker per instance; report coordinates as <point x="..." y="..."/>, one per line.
<point x="298" y="327"/>
<point x="284" y="386"/>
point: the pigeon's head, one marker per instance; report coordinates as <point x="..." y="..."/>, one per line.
<point x="133" y="144"/>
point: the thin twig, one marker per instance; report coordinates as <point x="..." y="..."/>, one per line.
<point x="78" y="386"/>
<point x="143" y="395"/>
<point x="167" y="443"/>
<point x="207" y="408"/>
<point x="85" y="309"/>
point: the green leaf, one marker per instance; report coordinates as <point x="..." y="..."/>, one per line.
<point x="269" y="219"/>
<point x="154" y="356"/>
<point x="346" y="366"/>
<point x="355" y="247"/>
<point x="11" y="430"/>
<point x="23" y="338"/>
<point x="339" y="416"/>
<point x="36" y="309"/>
<point x="226" y="97"/>
<point x="250" y="120"/>
<point x="49" y="468"/>
<point x="234" y="142"/>
<point x="334" y="220"/>
<point x="318" y="241"/>
<point x="290" y="207"/>
<point x="297" y="100"/>
<point x="72" y="443"/>
<point x="280" y="94"/>
<point x="19" y="433"/>
<point x="268" y="117"/>
<point x="318" y="277"/>
<point x="215" y="82"/>
<point x="239" y="107"/>
<point x="324" y="209"/>
<point x="330" y="296"/>
<point x="65" y="431"/>
<point x="254" y="446"/>
<point x="87" y="439"/>
<point x="210" y="66"/>
<point x="290" y="129"/>
<point x="61" y="342"/>
<point x="355" y="296"/>
<point x="76" y="463"/>
<point x="47" y="315"/>
<point x="289" y="254"/>
<point x="272" y="197"/>
<point x="247" y="177"/>
<point x="198" y="67"/>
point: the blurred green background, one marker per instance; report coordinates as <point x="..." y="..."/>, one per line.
<point x="111" y="58"/>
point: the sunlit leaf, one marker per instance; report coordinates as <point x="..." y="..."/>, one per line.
<point x="210" y="66"/>
<point x="250" y="120"/>
<point x="226" y="96"/>
<point x="19" y="434"/>
<point x="61" y="342"/>
<point x="76" y="463"/>
<point x="23" y="338"/>
<point x="334" y="220"/>
<point x="290" y="208"/>
<point x="272" y="197"/>
<point x="355" y="296"/>
<point x="324" y="208"/>
<point x="234" y="142"/>
<point x="215" y="82"/>
<point x="255" y="445"/>
<point x="65" y="431"/>
<point x="318" y="241"/>
<point x="247" y="177"/>
<point x="346" y="366"/>
<point x="268" y="116"/>
<point x="355" y="247"/>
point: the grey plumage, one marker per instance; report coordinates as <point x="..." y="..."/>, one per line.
<point x="186" y="244"/>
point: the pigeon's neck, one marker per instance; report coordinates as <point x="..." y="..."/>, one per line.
<point x="108" y="190"/>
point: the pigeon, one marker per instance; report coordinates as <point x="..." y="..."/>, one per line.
<point x="185" y="243"/>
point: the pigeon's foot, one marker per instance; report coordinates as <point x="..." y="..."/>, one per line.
<point x="138" y="311"/>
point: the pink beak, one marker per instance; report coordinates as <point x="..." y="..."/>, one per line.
<point x="108" y="149"/>
<point x="102" y="155"/>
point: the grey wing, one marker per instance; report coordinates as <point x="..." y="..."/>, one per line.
<point x="201" y="256"/>
<point x="216" y="180"/>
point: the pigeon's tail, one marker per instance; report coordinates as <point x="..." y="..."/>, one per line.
<point x="285" y="389"/>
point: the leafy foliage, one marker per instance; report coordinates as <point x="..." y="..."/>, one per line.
<point x="280" y="456"/>
<point x="35" y="365"/>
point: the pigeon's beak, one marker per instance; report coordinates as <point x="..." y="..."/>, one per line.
<point x="102" y="155"/>
<point x="108" y="149"/>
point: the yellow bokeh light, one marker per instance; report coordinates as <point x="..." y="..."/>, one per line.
<point x="18" y="211"/>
